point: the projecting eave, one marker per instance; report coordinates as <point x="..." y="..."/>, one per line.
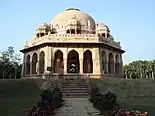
<point x="69" y="43"/>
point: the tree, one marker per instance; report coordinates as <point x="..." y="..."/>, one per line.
<point x="140" y="69"/>
<point x="10" y="66"/>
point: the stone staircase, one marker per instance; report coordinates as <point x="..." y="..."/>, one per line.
<point x="75" y="88"/>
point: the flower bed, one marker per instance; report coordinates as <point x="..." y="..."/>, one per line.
<point x="50" y="99"/>
<point x="108" y="103"/>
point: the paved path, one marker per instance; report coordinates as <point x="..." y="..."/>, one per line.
<point x="77" y="107"/>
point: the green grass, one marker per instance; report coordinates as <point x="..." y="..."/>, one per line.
<point x="17" y="95"/>
<point x="139" y="94"/>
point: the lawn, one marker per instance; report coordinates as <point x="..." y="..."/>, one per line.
<point x="139" y="94"/>
<point x="17" y="95"/>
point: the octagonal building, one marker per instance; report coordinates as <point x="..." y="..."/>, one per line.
<point x="73" y="44"/>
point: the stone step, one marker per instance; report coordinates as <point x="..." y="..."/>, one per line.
<point x="77" y="91"/>
<point x="74" y="89"/>
<point x="74" y="83"/>
<point x="74" y="86"/>
<point x="75" y="94"/>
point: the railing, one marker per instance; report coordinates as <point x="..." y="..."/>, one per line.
<point x="80" y="37"/>
<point x="73" y="35"/>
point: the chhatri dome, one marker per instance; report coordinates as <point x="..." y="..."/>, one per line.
<point x="72" y="44"/>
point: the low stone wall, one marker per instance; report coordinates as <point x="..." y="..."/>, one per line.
<point x="68" y="76"/>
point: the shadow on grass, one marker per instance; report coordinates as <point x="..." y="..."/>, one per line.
<point x="17" y="95"/>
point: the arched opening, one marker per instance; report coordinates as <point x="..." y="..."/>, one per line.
<point x="108" y="35"/>
<point x="117" y="64"/>
<point x="28" y="64"/>
<point x="42" y="34"/>
<point x="73" y="64"/>
<point x="34" y="63"/>
<point x="87" y="62"/>
<point x="78" y="30"/>
<point x="104" y="62"/>
<point x="58" y="61"/>
<point x="72" y="31"/>
<point x="103" y="34"/>
<point x="37" y="35"/>
<point x="68" y="31"/>
<point x="110" y="63"/>
<point x="41" y="62"/>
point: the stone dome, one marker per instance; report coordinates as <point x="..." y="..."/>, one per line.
<point x="73" y="16"/>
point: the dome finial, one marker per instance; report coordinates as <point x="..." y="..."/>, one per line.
<point x="72" y="9"/>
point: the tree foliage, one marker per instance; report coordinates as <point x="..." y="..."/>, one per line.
<point x="140" y="70"/>
<point x="10" y="66"/>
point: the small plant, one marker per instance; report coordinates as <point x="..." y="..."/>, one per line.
<point x="50" y="100"/>
<point x="125" y="112"/>
<point x="103" y="102"/>
<point x="108" y="103"/>
<point x="46" y="95"/>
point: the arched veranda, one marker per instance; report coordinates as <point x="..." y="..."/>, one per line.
<point x="58" y="61"/>
<point x="87" y="62"/>
<point x="41" y="62"/>
<point x="104" y="62"/>
<point x="117" y="64"/>
<point x="28" y="64"/>
<point x="110" y="63"/>
<point x="73" y="64"/>
<point x="34" y="63"/>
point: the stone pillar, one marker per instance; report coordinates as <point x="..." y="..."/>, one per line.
<point x="96" y="62"/>
<point x="23" y="66"/>
<point x="37" y="64"/>
<point x="30" y="65"/>
<point x="106" y="64"/>
<point x="39" y="35"/>
<point x="37" y="67"/>
<point x="121" y="66"/>
<point x="114" y="67"/>
<point x="65" y="62"/>
<point x="81" y="61"/>
<point x="48" y="58"/>
<point x="81" y="66"/>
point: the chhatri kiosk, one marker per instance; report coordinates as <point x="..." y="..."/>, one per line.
<point x="72" y="44"/>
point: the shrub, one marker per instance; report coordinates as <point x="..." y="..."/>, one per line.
<point x="103" y="102"/>
<point x="93" y="94"/>
<point x="47" y="85"/>
<point x="50" y="100"/>
<point x="46" y="95"/>
<point x="125" y="112"/>
<point x="108" y="103"/>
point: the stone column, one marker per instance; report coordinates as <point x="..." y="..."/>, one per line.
<point x="48" y="58"/>
<point x="37" y="64"/>
<point x="23" y="66"/>
<point x="96" y="62"/>
<point x="121" y="71"/>
<point x="114" y="66"/>
<point x="31" y="65"/>
<point x="81" y="62"/>
<point x="106" y="64"/>
<point x="65" y="62"/>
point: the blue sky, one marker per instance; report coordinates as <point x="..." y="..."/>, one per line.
<point x="132" y="22"/>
